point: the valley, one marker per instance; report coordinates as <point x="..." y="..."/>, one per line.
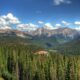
<point x="45" y="56"/>
<point x="39" y="39"/>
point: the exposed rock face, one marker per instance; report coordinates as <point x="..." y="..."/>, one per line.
<point x="65" y="32"/>
<point x="12" y="33"/>
<point x="42" y="36"/>
<point x="60" y="32"/>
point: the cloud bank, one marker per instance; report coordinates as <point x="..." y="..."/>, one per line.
<point x="9" y="21"/>
<point x="27" y="27"/>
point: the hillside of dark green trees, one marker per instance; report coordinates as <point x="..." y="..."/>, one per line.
<point x="19" y="62"/>
<point x="72" y="47"/>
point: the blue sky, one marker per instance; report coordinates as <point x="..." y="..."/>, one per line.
<point x="31" y="11"/>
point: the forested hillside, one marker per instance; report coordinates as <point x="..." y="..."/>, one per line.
<point x="19" y="62"/>
<point x="72" y="47"/>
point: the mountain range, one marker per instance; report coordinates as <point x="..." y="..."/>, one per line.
<point x="42" y="36"/>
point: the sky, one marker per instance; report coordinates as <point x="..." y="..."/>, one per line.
<point x="37" y="12"/>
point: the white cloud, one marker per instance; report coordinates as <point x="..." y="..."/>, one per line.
<point x="66" y="24"/>
<point x="58" y="2"/>
<point x="6" y="21"/>
<point x="77" y="23"/>
<point x="2" y="21"/>
<point x="28" y="27"/>
<point x="5" y="27"/>
<point x="77" y="28"/>
<point x="40" y="22"/>
<point x="11" y="19"/>
<point x="48" y="26"/>
<point x="58" y="26"/>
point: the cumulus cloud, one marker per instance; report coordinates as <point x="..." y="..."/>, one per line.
<point x="6" y="21"/>
<point x="48" y="26"/>
<point x="27" y="27"/>
<point x="51" y="27"/>
<point x="10" y="18"/>
<point x="58" y="2"/>
<point x="66" y="24"/>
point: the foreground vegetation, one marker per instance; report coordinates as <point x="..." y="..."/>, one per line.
<point x="18" y="62"/>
